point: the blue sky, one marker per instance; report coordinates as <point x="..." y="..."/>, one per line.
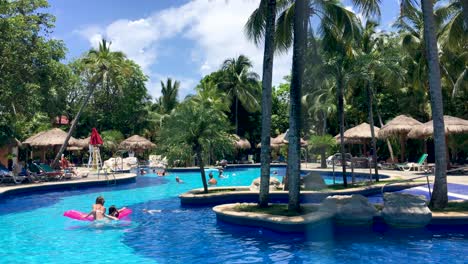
<point x="181" y="39"/>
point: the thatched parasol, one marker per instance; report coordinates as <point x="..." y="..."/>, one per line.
<point x="241" y="143"/>
<point x="136" y="142"/>
<point x="360" y="134"/>
<point x="49" y="138"/>
<point x="453" y="125"/>
<point x="272" y="145"/>
<point x="283" y="139"/>
<point x="82" y="142"/>
<point x="399" y="126"/>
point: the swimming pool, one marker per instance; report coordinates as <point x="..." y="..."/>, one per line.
<point x="33" y="230"/>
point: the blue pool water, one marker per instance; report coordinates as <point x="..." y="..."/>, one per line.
<point x="33" y="230"/>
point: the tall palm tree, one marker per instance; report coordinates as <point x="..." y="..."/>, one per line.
<point x="294" y="147"/>
<point x="269" y="24"/>
<point x="103" y="65"/>
<point x="195" y="125"/>
<point x="240" y="84"/>
<point x="439" y="197"/>
<point x="168" y="99"/>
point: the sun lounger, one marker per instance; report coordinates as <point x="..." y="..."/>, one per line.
<point x="50" y="173"/>
<point x="413" y="166"/>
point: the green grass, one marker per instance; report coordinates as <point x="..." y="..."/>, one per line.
<point x="454" y="207"/>
<point x="335" y="187"/>
<point x="274" y="209"/>
<point x="221" y="190"/>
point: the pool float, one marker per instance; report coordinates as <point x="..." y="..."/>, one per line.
<point x="77" y="215"/>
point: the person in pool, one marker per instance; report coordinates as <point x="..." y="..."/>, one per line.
<point x="212" y="180"/>
<point x="178" y="180"/>
<point x="99" y="211"/>
<point x="114" y="212"/>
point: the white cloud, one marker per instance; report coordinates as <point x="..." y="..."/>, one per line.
<point x="214" y="27"/>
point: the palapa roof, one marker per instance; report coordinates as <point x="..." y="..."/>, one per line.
<point x="453" y="125"/>
<point x="136" y="142"/>
<point x="400" y="125"/>
<point x="82" y="142"/>
<point x="52" y="137"/>
<point x="241" y="143"/>
<point x="358" y="134"/>
<point x="283" y="139"/>
<point x="272" y="145"/>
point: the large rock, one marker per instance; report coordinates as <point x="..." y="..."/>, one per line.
<point x="274" y="184"/>
<point x="349" y="209"/>
<point x="406" y="210"/>
<point x="313" y="181"/>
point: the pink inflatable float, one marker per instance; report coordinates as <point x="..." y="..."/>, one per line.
<point x="81" y="216"/>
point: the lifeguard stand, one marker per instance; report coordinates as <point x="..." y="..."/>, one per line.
<point x="95" y="160"/>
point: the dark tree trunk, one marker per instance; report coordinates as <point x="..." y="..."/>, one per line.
<point x="201" y="165"/>
<point x="294" y="151"/>
<point x="340" y="91"/>
<point x="266" y="104"/>
<point x="439" y="196"/>
<point x="371" y="123"/>
<point x="55" y="163"/>
<point x="237" y="125"/>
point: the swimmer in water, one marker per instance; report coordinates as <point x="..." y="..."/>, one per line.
<point x="178" y="180"/>
<point x="151" y="211"/>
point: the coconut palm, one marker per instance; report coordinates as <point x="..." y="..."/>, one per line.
<point x="196" y="125"/>
<point x="439" y="197"/>
<point x="269" y="25"/>
<point x="103" y="65"/>
<point x="240" y="84"/>
<point x="294" y="147"/>
<point x="168" y="99"/>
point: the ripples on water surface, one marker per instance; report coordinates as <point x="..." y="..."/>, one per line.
<point x="33" y="230"/>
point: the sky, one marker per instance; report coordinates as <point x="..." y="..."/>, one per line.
<point x="181" y="39"/>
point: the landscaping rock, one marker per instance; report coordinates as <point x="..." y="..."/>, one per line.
<point x="313" y="181"/>
<point x="349" y="209"/>
<point x="274" y="184"/>
<point x="406" y="210"/>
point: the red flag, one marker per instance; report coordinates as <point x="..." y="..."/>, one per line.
<point x="95" y="138"/>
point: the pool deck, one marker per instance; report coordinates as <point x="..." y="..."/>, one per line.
<point x="92" y="179"/>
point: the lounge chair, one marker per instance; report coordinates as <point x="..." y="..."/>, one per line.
<point x="413" y="166"/>
<point x="9" y="176"/>
<point x="50" y="173"/>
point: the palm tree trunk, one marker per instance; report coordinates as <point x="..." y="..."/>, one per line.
<point x="294" y="152"/>
<point x="237" y="125"/>
<point x="323" y="158"/>
<point x="201" y="165"/>
<point x="73" y="126"/>
<point x="340" y="91"/>
<point x="439" y="196"/>
<point x="389" y="145"/>
<point x="371" y="123"/>
<point x="266" y="104"/>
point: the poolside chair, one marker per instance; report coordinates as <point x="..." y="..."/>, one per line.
<point x="413" y="166"/>
<point x="50" y="173"/>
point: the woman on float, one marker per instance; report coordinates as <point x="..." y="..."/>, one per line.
<point x="99" y="211"/>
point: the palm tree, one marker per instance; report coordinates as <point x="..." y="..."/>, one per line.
<point x="294" y="147"/>
<point x="240" y="84"/>
<point x="168" y="99"/>
<point x="269" y="24"/>
<point x="439" y="197"/>
<point x="103" y="65"/>
<point x="196" y="125"/>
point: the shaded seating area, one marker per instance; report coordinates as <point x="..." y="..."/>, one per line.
<point x="417" y="166"/>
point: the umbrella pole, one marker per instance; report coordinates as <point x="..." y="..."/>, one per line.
<point x="403" y="147"/>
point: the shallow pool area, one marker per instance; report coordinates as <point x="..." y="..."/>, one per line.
<point x="33" y="230"/>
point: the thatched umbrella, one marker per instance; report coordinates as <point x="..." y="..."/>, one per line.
<point x="82" y="142"/>
<point x="50" y="138"/>
<point x="136" y="143"/>
<point x="241" y="143"/>
<point x="360" y="134"/>
<point x="283" y="139"/>
<point x="272" y="145"/>
<point x="399" y="126"/>
<point x="453" y="125"/>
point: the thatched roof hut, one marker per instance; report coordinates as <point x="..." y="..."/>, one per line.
<point x="49" y="138"/>
<point x="361" y="131"/>
<point x="399" y="125"/>
<point x="453" y="125"/>
<point x="136" y="143"/>
<point x="241" y="143"/>
<point x="82" y="142"/>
